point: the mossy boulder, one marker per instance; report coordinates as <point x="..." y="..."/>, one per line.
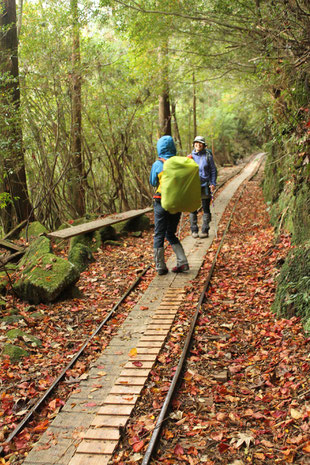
<point x="45" y="279"/>
<point x="92" y="240"/>
<point x="139" y="223"/>
<point x="113" y="243"/>
<point x="293" y="290"/>
<point x="43" y="276"/>
<point x="36" y="250"/>
<point x="28" y="338"/>
<point x="301" y="214"/>
<point x="33" y="230"/>
<point x="107" y="233"/>
<point x="14" y="352"/>
<point x="80" y="255"/>
<point x="4" y="280"/>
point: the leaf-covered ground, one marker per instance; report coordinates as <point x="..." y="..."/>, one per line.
<point x="62" y="328"/>
<point x="245" y="396"/>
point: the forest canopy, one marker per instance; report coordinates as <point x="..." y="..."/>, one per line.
<point x="87" y="87"/>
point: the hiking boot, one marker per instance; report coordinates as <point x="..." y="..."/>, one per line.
<point x="181" y="268"/>
<point x="182" y="263"/>
<point x="206" y="218"/>
<point x="195" y="234"/>
<point x="203" y="235"/>
<point x="160" y="265"/>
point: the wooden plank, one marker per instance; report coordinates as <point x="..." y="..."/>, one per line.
<point x="97" y="224"/>
<point x="11" y="246"/>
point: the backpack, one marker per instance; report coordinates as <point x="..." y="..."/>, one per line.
<point x="180" y="185"/>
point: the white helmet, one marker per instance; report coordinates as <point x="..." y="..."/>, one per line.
<point x="200" y="139"/>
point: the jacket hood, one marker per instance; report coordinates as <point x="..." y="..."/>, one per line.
<point x="166" y="148"/>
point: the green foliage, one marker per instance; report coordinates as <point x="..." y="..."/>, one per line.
<point x="293" y="291"/>
<point x="5" y="199"/>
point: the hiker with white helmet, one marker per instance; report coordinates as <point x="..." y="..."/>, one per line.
<point x="208" y="174"/>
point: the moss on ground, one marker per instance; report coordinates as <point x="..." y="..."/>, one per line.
<point x="293" y="290"/>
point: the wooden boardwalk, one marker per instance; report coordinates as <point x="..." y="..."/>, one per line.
<point x="97" y="224"/>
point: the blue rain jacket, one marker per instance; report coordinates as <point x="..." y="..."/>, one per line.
<point x="207" y="168"/>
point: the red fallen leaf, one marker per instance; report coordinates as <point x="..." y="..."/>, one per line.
<point x="217" y="435"/>
<point x="156" y="405"/>
<point x="222" y="447"/>
<point x="178" y="450"/>
<point x="192" y="450"/>
<point x="138" y="446"/>
<point x="235" y="368"/>
<point x="43" y="447"/>
<point x="306" y="448"/>
<point x="91" y="404"/>
<point x="137" y="364"/>
<point x="40" y="427"/>
<point x="143" y="307"/>
<point x="266" y="443"/>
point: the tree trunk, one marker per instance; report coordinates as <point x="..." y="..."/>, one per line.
<point x="13" y="172"/>
<point x="164" y="102"/>
<point x="176" y="132"/>
<point x="20" y="16"/>
<point x="78" y="175"/>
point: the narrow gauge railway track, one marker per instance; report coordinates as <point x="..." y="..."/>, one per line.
<point x="177" y="377"/>
<point x="78" y="354"/>
<point x="53" y="387"/>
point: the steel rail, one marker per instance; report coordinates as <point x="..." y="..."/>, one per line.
<point x="36" y="406"/>
<point x="176" y="378"/>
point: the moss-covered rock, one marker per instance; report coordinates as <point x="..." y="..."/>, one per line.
<point x="107" y="233"/>
<point x="9" y="319"/>
<point x="80" y="255"/>
<point x="113" y="243"/>
<point x="28" y="338"/>
<point x="301" y="214"/>
<point x="273" y="179"/>
<point x="4" y="280"/>
<point x="44" y="279"/>
<point x="33" y="230"/>
<point x="91" y="240"/>
<point x="36" y="250"/>
<point x="293" y="290"/>
<point x="139" y="223"/>
<point x="14" y="352"/>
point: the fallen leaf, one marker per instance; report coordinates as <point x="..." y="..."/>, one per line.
<point x="133" y="352"/>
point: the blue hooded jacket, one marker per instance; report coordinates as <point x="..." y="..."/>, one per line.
<point x="165" y="149"/>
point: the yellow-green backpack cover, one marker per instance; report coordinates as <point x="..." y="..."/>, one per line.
<point x="180" y="185"/>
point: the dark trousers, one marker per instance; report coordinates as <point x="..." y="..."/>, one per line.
<point x="165" y="225"/>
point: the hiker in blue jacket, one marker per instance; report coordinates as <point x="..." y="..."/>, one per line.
<point x="208" y="174"/>
<point x="165" y="223"/>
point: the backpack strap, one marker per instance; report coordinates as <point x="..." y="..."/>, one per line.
<point x="157" y="194"/>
